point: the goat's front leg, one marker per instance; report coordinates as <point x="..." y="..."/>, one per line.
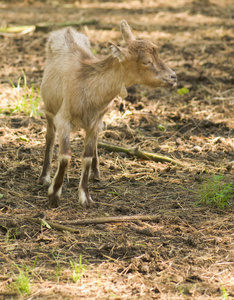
<point x="55" y="188"/>
<point x="89" y="167"/>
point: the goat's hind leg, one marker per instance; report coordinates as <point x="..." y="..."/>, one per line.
<point x="89" y="167"/>
<point x="50" y="139"/>
<point x="64" y="158"/>
<point x="94" y="172"/>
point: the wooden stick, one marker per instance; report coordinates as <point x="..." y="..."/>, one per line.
<point x="139" y="153"/>
<point x="113" y="220"/>
<point x="52" y="224"/>
<point x="8" y="294"/>
<point x="4" y="277"/>
<point x="61" y="224"/>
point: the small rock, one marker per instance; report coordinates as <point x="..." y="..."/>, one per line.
<point x="101" y="226"/>
<point x="146" y="231"/>
<point x="179" y="141"/>
<point x="197" y="149"/>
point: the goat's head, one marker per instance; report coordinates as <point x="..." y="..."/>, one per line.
<point x="141" y="61"/>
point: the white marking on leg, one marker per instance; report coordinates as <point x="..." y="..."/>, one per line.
<point x="51" y="191"/>
<point x="64" y="157"/>
<point x="51" y="188"/>
<point x="82" y="197"/>
<point x="46" y="180"/>
<point x="86" y="162"/>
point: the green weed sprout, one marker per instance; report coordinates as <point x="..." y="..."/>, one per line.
<point x="27" y="98"/>
<point x="78" y="269"/>
<point x="183" y="91"/>
<point x="22" y="282"/>
<point x="216" y="193"/>
<point x="58" y="267"/>
<point x="225" y="294"/>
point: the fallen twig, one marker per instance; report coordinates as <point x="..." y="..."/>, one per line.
<point x="8" y="294"/>
<point x="139" y="153"/>
<point x="4" y="277"/>
<point x="52" y="224"/>
<point x="113" y="220"/>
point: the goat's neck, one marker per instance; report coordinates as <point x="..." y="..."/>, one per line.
<point x="109" y="78"/>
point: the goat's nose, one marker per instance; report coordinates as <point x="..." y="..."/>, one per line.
<point x="174" y="77"/>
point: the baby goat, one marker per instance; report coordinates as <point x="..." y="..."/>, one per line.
<point x="77" y="89"/>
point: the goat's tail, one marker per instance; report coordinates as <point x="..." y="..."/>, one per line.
<point x="67" y="40"/>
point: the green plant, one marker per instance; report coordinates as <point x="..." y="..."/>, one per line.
<point x="184" y="290"/>
<point x="35" y="261"/>
<point x="94" y="51"/>
<point x="225" y="293"/>
<point x="22" y="282"/>
<point x="58" y="267"/>
<point x="183" y="91"/>
<point x="11" y="234"/>
<point x="24" y="99"/>
<point x="161" y="127"/>
<point x="78" y="269"/>
<point x="216" y="193"/>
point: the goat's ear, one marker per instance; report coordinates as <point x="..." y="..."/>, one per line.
<point x="126" y="31"/>
<point x="118" y="52"/>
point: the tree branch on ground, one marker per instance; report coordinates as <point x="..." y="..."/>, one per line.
<point x="138" y="153"/>
<point x="113" y="220"/>
<point x="51" y="224"/>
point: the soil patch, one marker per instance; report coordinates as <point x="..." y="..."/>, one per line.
<point x="185" y="253"/>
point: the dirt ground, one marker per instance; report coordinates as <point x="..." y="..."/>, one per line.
<point x="187" y="251"/>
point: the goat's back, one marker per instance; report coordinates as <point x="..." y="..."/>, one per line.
<point x="67" y="41"/>
<point x="66" y="49"/>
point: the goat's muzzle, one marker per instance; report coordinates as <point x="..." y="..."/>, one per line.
<point x="170" y="81"/>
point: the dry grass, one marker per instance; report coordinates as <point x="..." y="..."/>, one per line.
<point x="187" y="253"/>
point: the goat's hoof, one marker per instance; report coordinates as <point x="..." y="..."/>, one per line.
<point x="88" y="203"/>
<point x="53" y="201"/>
<point x="44" y="180"/>
<point x="95" y="176"/>
<point x="85" y="200"/>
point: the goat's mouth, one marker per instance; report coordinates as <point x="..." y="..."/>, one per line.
<point x="170" y="83"/>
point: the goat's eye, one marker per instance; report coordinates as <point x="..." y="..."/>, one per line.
<point x="147" y="63"/>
